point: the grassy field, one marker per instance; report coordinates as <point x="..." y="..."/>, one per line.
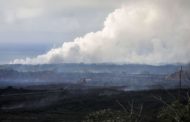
<point x="19" y="105"/>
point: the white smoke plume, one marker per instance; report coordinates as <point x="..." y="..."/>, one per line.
<point x="145" y="32"/>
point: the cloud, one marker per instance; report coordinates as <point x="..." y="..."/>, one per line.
<point x="145" y="32"/>
<point x="51" y="17"/>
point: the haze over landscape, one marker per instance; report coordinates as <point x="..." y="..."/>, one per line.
<point x="136" y="45"/>
<point x="94" y="61"/>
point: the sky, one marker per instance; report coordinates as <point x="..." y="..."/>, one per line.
<point x="94" y="31"/>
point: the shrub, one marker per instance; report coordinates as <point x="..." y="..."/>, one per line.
<point x="175" y="112"/>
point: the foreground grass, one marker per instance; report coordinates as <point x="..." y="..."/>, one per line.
<point x="96" y="106"/>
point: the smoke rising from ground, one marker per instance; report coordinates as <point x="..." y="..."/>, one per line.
<point x="145" y="32"/>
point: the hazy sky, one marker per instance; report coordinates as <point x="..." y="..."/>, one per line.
<point x="32" y="27"/>
<point x="95" y="31"/>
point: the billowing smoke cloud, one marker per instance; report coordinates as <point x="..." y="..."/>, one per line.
<point x="145" y="32"/>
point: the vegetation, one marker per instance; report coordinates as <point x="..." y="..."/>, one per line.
<point x="95" y="105"/>
<point x="176" y="112"/>
<point x="108" y="115"/>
